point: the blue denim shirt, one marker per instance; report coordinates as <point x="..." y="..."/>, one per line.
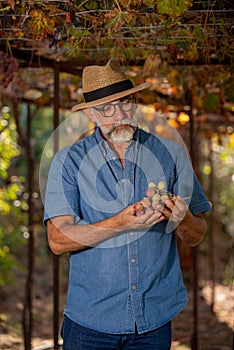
<point x="134" y="277"/>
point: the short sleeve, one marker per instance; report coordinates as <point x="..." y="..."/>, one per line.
<point x="62" y="195"/>
<point x="188" y="186"/>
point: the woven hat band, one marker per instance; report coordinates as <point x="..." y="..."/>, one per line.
<point x="108" y="90"/>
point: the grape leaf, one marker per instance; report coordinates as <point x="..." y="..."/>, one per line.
<point x="173" y="8"/>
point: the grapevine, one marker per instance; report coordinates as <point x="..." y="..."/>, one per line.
<point x="41" y="25"/>
<point x="8" y="65"/>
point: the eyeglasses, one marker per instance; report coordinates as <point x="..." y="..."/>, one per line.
<point x="109" y="109"/>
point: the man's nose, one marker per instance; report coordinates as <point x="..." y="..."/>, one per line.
<point x="119" y="113"/>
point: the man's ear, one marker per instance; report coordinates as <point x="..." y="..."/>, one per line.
<point x="90" y="114"/>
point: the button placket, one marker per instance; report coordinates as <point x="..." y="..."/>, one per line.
<point x="133" y="261"/>
<point x="135" y="288"/>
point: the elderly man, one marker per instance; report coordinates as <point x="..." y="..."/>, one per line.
<point x="104" y="206"/>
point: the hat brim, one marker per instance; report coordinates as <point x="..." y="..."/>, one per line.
<point x="111" y="98"/>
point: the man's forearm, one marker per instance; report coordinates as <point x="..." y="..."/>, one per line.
<point x="65" y="236"/>
<point x="192" y="229"/>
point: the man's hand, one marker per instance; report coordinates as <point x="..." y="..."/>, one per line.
<point x="190" y="228"/>
<point x="174" y="209"/>
<point x="128" y="220"/>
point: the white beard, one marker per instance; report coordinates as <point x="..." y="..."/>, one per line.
<point x="122" y="135"/>
<point x="119" y="135"/>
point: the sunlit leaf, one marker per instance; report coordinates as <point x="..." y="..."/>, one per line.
<point x="173" y="8"/>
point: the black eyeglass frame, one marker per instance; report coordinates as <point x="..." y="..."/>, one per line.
<point x="120" y="104"/>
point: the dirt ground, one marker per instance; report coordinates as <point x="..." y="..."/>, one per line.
<point x="215" y="329"/>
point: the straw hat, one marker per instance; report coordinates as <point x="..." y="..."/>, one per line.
<point x="102" y="84"/>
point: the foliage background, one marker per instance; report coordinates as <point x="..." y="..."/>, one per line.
<point x="185" y="48"/>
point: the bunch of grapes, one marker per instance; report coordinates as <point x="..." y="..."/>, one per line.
<point x="154" y="198"/>
<point x="8" y="65"/>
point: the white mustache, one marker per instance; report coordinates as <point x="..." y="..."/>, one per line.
<point x="129" y="123"/>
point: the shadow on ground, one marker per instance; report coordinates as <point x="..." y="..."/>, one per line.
<point x="215" y="329"/>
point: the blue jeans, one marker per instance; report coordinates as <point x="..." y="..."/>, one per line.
<point x="76" y="337"/>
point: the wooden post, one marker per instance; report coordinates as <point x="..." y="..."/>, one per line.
<point x="194" y="340"/>
<point x="27" y="311"/>
<point x="55" y="257"/>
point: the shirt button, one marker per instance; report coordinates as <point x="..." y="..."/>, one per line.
<point x="132" y="233"/>
<point x="134" y="287"/>
<point x="133" y="260"/>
